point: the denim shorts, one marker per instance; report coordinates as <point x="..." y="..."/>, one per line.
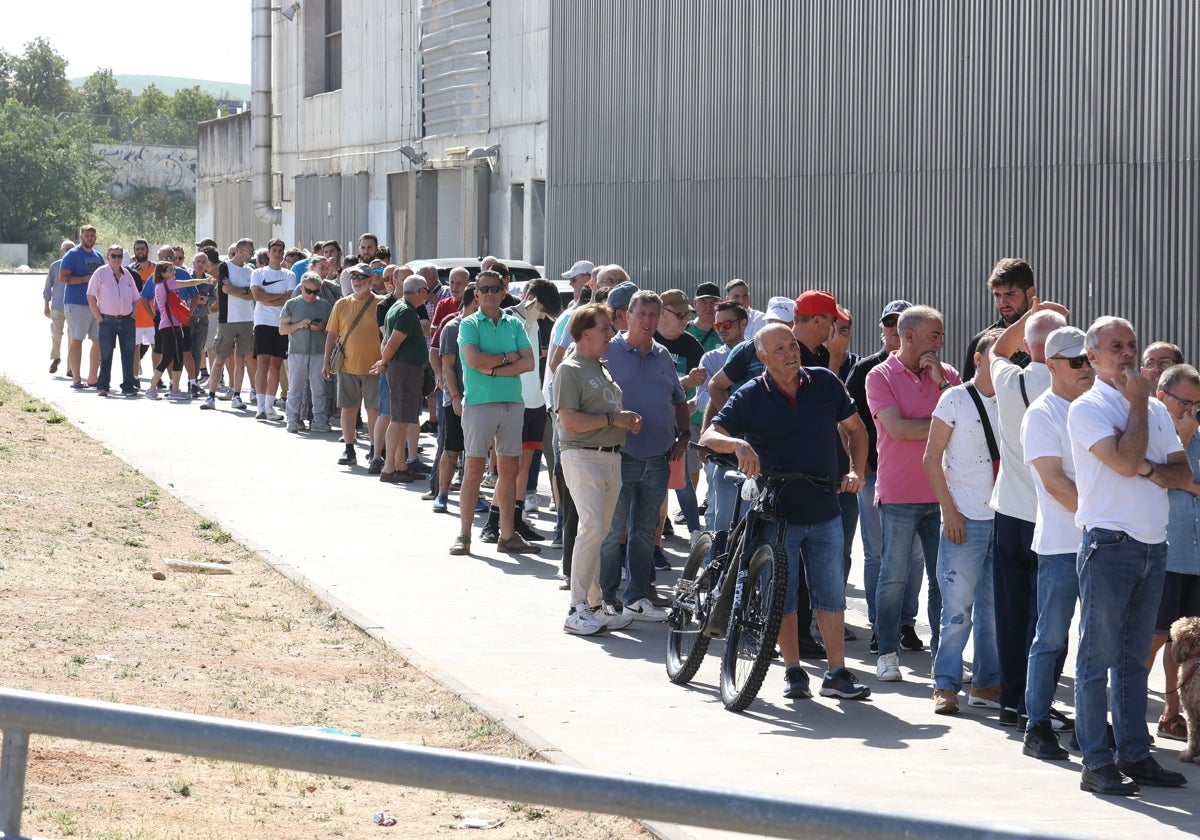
<point x="818" y="548"/>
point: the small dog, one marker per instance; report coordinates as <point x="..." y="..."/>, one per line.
<point x="1185" y="648"/>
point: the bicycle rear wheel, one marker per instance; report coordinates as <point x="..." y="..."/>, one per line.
<point x="686" y="645"/>
<point x="754" y="626"/>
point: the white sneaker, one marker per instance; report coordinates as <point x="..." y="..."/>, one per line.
<point x="887" y="669"/>
<point x="225" y="394"/>
<point x="695" y="537"/>
<point x="236" y="402"/>
<point x="607" y="615"/>
<point x="582" y="622"/>
<point x="273" y="415"/>
<point x="643" y="610"/>
<point x="319" y="427"/>
<point x="531" y="503"/>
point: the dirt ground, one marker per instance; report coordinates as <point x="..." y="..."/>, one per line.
<point x="81" y="534"/>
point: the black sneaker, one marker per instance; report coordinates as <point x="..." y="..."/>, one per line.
<point x="1009" y="717"/>
<point x="909" y="639"/>
<point x="796" y="684"/>
<point x="194" y="391"/>
<point x="840" y="682"/>
<point x="489" y="534"/>
<point x="349" y="458"/>
<point x="1041" y="742"/>
<point x="418" y="468"/>
<point x="660" y="559"/>
<point x="810" y="648"/>
<point x="376" y="467"/>
<point x="874" y="647"/>
<point x="528" y="534"/>
<point x="1060" y="722"/>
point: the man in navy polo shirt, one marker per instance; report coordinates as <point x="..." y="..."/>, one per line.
<point x="761" y="423"/>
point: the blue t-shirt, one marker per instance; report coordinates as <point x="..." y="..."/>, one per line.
<point x="80" y="263"/>
<point x="299" y="267"/>
<point x="742" y="364"/>
<point x="649" y="386"/>
<point x="800" y="436"/>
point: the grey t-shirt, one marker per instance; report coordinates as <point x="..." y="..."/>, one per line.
<point x="306" y="342"/>
<point x="586" y="385"/>
<point x="448" y="344"/>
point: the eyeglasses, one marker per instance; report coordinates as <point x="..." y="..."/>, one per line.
<point x="680" y="315"/>
<point x="727" y="325"/>
<point x="307" y="291"/>
<point x="1076" y="363"/>
<point x="489" y="290"/>
<point x="1159" y="364"/>
<point x="358" y="277"/>
<point x="1187" y="404"/>
<point x="890" y="321"/>
<point x="116" y="256"/>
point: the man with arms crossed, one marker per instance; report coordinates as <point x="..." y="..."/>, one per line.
<point x="1127" y="455"/>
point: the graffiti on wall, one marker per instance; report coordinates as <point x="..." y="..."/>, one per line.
<point x="133" y="166"/>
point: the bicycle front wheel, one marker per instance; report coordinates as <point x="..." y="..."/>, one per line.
<point x="754" y="626"/>
<point x="686" y="644"/>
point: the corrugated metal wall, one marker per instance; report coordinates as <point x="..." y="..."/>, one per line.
<point x="455" y="37"/>
<point x="332" y="207"/>
<point x="885" y="150"/>
<point x="234" y="216"/>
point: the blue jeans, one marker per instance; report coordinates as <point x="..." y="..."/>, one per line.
<point x="1057" y="592"/>
<point x="688" y="505"/>
<point x="849" y="505"/>
<point x="643" y="488"/>
<point x="964" y="576"/>
<point x="1120" y="585"/>
<point x="900" y="522"/>
<point x="818" y="548"/>
<point x="436" y="466"/>
<point x="723" y="494"/>
<point x="114" y="331"/>
<point x="872" y="540"/>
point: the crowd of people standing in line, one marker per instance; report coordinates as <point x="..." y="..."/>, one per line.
<point x="1053" y="471"/>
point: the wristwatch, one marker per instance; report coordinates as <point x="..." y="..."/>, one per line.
<point x="686" y="434"/>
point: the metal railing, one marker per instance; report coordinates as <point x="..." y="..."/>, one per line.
<point x="23" y="713"/>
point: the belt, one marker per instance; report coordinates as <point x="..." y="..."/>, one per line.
<point x="599" y="448"/>
<point x="106" y="315"/>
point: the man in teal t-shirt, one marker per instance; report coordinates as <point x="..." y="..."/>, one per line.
<point x="495" y="352"/>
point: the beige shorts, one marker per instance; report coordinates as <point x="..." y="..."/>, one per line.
<point x="500" y="422"/>
<point x="352" y="390"/>
<point x="234" y="338"/>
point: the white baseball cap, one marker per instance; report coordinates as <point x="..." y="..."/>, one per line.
<point x="781" y="309"/>
<point x="580" y="267"/>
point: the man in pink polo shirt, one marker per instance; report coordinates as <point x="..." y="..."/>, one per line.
<point x="902" y="393"/>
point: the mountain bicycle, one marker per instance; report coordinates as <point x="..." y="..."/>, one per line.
<point x="733" y="585"/>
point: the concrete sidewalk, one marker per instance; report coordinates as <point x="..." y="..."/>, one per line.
<point x="489" y="625"/>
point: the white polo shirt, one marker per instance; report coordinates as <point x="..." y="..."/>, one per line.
<point x="1044" y="435"/>
<point x="1135" y="505"/>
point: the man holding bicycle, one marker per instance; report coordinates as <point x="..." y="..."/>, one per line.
<point x="761" y="424"/>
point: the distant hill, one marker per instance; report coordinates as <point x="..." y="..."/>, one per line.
<point x="170" y="84"/>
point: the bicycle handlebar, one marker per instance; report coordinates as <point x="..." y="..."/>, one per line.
<point x="819" y="482"/>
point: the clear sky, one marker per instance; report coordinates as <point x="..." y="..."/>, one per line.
<point x="91" y="35"/>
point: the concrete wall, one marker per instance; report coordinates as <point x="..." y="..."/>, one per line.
<point x="11" y="254"/>
<point x="132" y="166"/>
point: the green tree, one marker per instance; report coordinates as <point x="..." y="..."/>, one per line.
<point x="109" y="104"/>
<point x="50" y="176"/>
<point x="190" y="106"/>
<point x="6" y="71"/>
<point x="39" y="78"/>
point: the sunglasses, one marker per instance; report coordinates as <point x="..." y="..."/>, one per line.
<point x="727" y="325"/>
<point x="1076" y="363"/>
<point x="116" y="256"/>
<point x="489" y="290"/>
<point x="890" y="321"/>
<point x="307" y="291"/>
<point x="679" y="315"/>
<point x="358" y="277"/>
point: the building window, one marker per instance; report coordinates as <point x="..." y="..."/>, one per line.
<point x="333" y="45"/>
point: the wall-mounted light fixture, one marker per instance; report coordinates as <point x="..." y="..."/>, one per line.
<point x="480" y="152"/>
<point x="289" y="12"/>
<point x="416" y="158"/>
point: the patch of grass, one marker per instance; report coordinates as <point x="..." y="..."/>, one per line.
<point x="67" y="822"/>
<point x="79" y="659"/>
<point x="180" y="787"/>
<point x="54" y="418"/>
<point x="133" y="542"/>
<point x="213" y="532"/>
<point x="146" y="498"/>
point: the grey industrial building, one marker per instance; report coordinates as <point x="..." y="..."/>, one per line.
<point x="877" y="149"/>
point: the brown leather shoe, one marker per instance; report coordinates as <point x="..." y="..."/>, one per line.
<point x="397" y="477"/>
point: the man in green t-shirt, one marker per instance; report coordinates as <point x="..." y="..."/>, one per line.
<point x="402" y="360"/>
<point x="495" y="352"/>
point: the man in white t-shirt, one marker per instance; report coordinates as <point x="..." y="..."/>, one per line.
<point x="1127" y="455"/>
<point x="960" y="460"/>
<point x="1015" y="500"/>
<point x="1055" y="536"/>
<point x="234" y="342"/>
<point x="271" y="285"/>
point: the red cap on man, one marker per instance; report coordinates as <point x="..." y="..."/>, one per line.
<point x="818" y="302"/>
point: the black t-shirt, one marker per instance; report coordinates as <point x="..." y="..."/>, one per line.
<point x="685" y="351"/>
<point x="856" y="385"/>
<point x="1020" y="358"/>
<point x="222" y="298"/>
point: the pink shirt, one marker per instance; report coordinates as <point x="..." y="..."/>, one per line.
<point x="901" y="478"/>
<point x="114" y="296"/>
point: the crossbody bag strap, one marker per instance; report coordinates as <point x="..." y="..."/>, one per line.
<point x="357" y="318"/>
<point x="993" y="450"/>
<point x="1021" y="382"/>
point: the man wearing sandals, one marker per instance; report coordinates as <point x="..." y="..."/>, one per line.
<point x="761" y="423"/>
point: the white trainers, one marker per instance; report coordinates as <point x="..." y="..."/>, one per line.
<point x="531" y="503"/>
<point x="887" y="669"/>
<point x="608" y="615"/>
<point x="695" y="537"/>
<point x="582" y="622"/>
<point x="643" y="610"/>
<point x="273" y="415"/>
